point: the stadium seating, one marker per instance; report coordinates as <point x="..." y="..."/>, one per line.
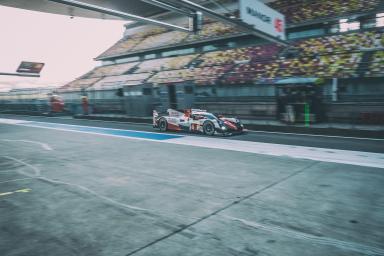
<point x="342" y="43"/>
<point x="110" y="70"/>
<point x="148" y="30"/>
<point x="376" y="68"/>
<point x="79" y="84"/>
<point x="201" y="76"/>
<point x="162" y="39"/>
<point x="297" y="11"/>
<point x="123" y="46"/>
<point x="156" y="37"/>
<point x="127" y="43"/>
<point x="211" y="30"/>
<point x="165" y="63"/>
<point x="342" y="66"/>
<point x="330" y="56"/>
<point x="253" y="53"/>
<point x="111" y="82"/>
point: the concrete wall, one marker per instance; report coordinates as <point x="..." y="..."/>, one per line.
<point x="359" y="100"/>
<point x="248" y="110"/>
<point x="246" y="101"/>
<point x="357" y="113"/>
<point x="139" y="100"/>
<point x="357" y="90"/>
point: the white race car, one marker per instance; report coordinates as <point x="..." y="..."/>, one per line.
<point x="196" y="120"/>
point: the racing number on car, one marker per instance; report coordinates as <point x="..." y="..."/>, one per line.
<point x="194" y="127"/>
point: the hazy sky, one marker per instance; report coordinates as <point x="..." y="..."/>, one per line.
<point x="67" y="46"/>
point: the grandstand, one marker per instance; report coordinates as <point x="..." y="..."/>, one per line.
<point x="338" y="44"/>
<point x="298" y="11"/>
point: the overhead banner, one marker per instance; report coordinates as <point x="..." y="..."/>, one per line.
<point x="263" y="18"/>
<point x="30" y="67"/>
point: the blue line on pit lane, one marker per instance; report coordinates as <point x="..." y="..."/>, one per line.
<point x="108" y="131"/>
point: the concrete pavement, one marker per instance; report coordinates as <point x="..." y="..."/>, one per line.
<point x="307" y="140"/>
<point x="86" y="194"/>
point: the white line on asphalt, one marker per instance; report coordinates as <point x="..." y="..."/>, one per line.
<point x="95" y="127"/>
<point x="37" y="175"/>
<point x="118" y="122"/>
<point x="358" y="158"/>
<point x="1" y="182"/>
<point x="247" y="130"/>
<point x="10" y="121"/>
<point x="92" y="120"/>
<point x="300" y="152"/>
<point x="252" y="131"/>
<point x="43" y="145"/>
<point x="346" y="245"/>
<point x="36" y="170"/>
<point x="316" y="135"/>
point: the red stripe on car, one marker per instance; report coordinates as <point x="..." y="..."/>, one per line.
<point x="230" y="125"/>
<point x="173" y="127"/>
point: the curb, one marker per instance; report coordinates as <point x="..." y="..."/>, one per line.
<point x="319" y="131"/>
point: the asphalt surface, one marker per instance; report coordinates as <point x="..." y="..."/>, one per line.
<point x="66" y="193"/>
<point x="320" y="141"/>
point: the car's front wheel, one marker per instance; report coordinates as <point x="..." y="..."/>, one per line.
<point x="163" y="125"/>
<point x="209" y="128"/>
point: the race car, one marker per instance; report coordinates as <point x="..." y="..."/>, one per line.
<point x="196" y="120"/>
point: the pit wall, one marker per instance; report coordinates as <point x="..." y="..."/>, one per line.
<point x="357" y="100"/>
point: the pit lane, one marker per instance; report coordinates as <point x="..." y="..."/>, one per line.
<point x="105" y="195"/>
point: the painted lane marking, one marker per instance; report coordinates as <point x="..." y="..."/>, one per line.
<point x="43" y="145"/>
<point x="36" y="171"/>
<point x="245" y="130"/>
<point x="11" y="121"/>
<point x="37" y="175"/>
<point x="6" y="181"/>
<point x="126" y="133"/>
<point x="316" y="135"/>
<point x="24" y="190"/>
<point x="300" y="152"/>
<point x="104" y="131"/>
<point x="346" y="245"/>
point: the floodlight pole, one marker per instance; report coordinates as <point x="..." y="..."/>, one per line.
<point x="243" y="26"/>
<point x="115" y="13"/>
<point x="19" y="74"/>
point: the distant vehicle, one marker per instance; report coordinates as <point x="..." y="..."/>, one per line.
<point x="196" y="120"/>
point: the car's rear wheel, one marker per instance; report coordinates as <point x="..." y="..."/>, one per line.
<point x="163" y="124"/>
<point x="209" y="128"/>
